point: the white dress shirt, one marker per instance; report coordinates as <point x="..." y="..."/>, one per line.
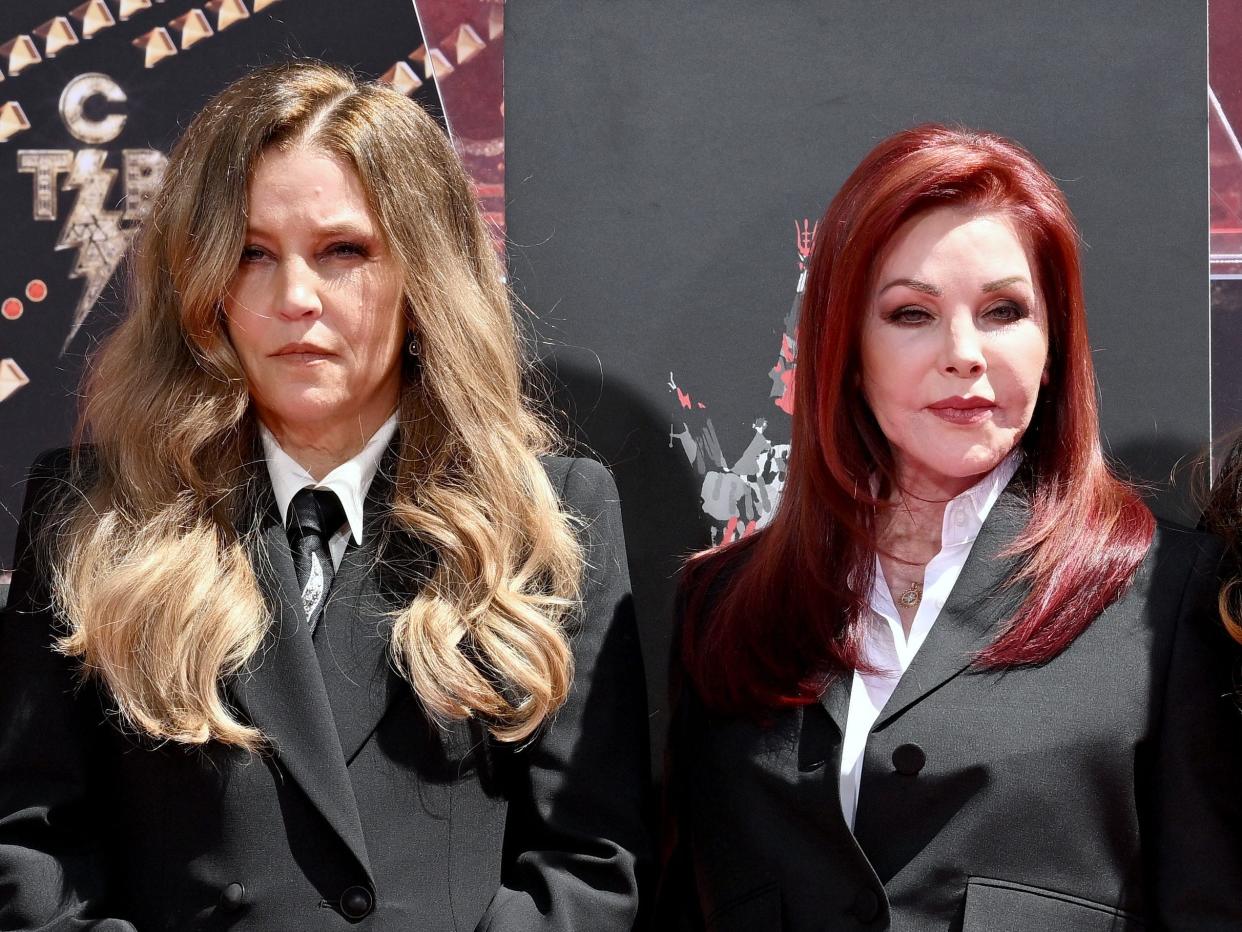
<point x="350" y="481"/>
<point x="886" y="646"/>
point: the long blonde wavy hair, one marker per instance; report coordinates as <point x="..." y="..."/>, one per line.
<point x="153" y="566"/>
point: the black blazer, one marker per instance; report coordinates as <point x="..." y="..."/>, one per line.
<point x="363" y="813"/>
<point x="1101" y="791"/>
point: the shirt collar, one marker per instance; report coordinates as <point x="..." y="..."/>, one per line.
<point x="965" y="513"/>
<point x="350" y="481"/>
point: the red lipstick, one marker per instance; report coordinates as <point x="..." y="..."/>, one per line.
<point x="963" y="409"/>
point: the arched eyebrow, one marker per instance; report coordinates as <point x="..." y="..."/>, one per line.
<point x="914" y="285"/>
<point x="1004" y="283"/>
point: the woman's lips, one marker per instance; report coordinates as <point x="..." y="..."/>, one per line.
<point x="965" y="411"/>
<point x="300" y="353"/>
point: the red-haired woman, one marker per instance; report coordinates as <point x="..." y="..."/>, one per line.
<point x="963" y="681"/>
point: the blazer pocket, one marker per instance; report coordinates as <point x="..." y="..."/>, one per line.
<point x="1003" y="906"/>
<point x="758" y="910"/>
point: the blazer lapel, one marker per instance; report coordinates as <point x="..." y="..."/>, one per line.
<point x="836" y="698"/>
<point x="374" y="581"/>
<point x="284" y="697"/>
<point x="978" y="605"/>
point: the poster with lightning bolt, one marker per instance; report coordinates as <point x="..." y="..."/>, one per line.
<point x="92" y="96"/>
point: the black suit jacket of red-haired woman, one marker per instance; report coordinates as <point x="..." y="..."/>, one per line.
<point x="363" y="813"/>
<point x="1098" y="792"/>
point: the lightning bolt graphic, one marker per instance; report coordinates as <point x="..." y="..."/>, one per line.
<point x="94" y="230"/>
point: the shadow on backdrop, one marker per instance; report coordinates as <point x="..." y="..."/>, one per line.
<point x="607" y="420"/>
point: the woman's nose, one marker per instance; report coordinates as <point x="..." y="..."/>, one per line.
<point x="297" y="290"/>
<point x="963" y="350"/>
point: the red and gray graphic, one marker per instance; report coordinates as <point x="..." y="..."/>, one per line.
<point x="740" y="495"/>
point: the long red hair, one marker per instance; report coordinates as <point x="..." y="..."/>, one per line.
<point x="768" y="619"/>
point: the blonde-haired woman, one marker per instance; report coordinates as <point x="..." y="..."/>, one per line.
<point x="310" y="630"/>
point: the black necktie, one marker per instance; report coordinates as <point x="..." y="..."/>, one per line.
<point x="314" y="516"/>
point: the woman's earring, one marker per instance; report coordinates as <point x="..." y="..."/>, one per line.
<point x="412" y="346"/>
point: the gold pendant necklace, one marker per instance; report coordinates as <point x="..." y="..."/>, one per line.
<point x="911" y="596"/>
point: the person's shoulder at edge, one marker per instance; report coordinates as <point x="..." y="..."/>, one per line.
<point x="714" y="568"/>
<point x="52" y="479"/>
<point x="585" y="486"/>
<point x="48" y="481"/>
<point x="1190" y="566"/>
<point x="56" y="462"/>
<point x="574" y="472"/>
<point x="1174" y="543"/>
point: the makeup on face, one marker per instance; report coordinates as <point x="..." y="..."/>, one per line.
<point x="954" y="346"/>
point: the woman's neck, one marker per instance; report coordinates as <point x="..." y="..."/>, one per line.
<point x="914" y="515"/>
<point x="319" y="449"/>
<point x="909" y="528"/>
<point x="909" y="536"/>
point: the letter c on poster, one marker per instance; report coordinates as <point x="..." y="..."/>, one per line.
<point x="73" y="102"/>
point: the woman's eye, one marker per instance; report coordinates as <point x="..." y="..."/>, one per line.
<point x="1007" y="312"/>
<point x="347" y="249"/>
<point x="251" y="254"/>
<point x="911" y="314"/>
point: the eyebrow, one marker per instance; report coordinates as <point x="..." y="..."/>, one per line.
<point x="328" y="230"/>
<point x="1004" y="283"/>
<point x="915" y="285"/>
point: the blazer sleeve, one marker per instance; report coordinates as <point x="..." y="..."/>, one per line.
<point x="1196" y="780"/>
<point x="51" y="876"/>
<point x="677" y="905"/>
<point x="575" y="838"/>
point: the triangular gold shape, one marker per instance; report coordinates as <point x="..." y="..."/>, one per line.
<point x="11" y="378"/>
<point x="128" y="8"/>
<point x="465" y="43"/>
<point x="20" y="54"/>
<point x="94" y="15"/>
<point x="227" y="12"/>
<point x="440" y="68"/>
<point x="156" y="45"/>
<point x="263" y="4"/>
<point x="193" y="27"/>
<point x="419" y="57"/>
<point x="57" y="34"/>
<point x="495" y="23"/>
<point x="435" y="64"/>
<point x="402" y="77"/>
<point x="13" y="120"/>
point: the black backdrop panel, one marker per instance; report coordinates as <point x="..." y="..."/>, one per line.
<point x="663" y="156"/>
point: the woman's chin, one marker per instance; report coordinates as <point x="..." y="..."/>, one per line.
<point x="303" y="414"/>
<point x="956" y="471"/>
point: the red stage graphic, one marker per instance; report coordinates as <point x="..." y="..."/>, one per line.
<point x="739" y="497"/>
